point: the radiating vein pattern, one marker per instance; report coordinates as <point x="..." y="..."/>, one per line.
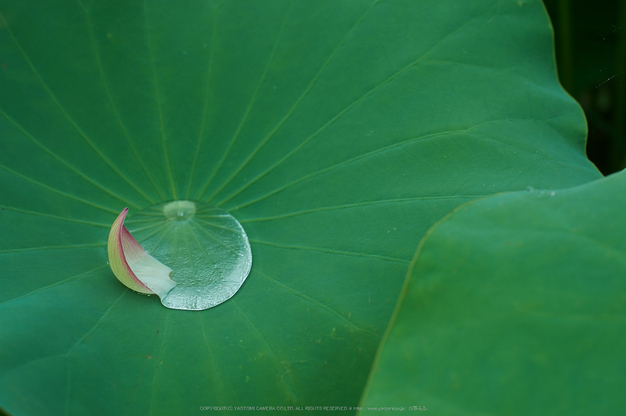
<point x="205" y="106"/>
<point x="114" y="107"/>
<point x="57" y="191"/>
<point x="292" y="109"/>
<point x="72" y="122"/>
<point x="354" y="159"/>
<point x="332" y="134"/>
<point x="248" y="109"/>
<point x="157" y="91"/>
<point x="79" y="174"/>
<point x="339" y="115"/>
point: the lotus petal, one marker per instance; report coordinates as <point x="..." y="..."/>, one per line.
<point x="132" y="265"/>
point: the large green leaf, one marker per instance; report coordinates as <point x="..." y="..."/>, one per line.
<point x="336" y="132"/>
<point x="515" y="305"/>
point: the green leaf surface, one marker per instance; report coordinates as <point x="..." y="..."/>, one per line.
<point x="335" y="132"/>
<point x="515" y="305"/>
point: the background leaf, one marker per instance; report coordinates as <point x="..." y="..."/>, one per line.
<point x="337" y="133"/>
<point x="515" y="306"/>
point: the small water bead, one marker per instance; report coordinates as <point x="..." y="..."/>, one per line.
<point x="179" y="209"/>
<point x="205" y="246"/>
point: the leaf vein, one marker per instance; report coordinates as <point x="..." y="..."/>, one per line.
<point x="58" y="217"/>
<point x="114" y="106"/>
<point x="331" y="251"/>
<point x="157" y="92"/>
<point x="298" y="101"/>
<point x="247" y="113"/>
<point x="358" y="205"/>
<point x="66" y="164"/>
<point x="338" y="116"/>
<point x="72" y="122"/>
<point x="317" y="303"/>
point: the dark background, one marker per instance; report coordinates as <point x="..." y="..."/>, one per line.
<point x="590" y="40"/>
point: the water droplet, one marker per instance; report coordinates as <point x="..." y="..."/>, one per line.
<point x="205" y="246"/>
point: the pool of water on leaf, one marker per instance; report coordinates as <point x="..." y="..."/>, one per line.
<point x="206" y="248"/>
